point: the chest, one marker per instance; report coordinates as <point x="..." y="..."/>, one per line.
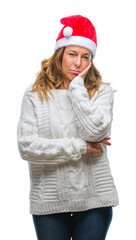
<point x="56" y="118"/>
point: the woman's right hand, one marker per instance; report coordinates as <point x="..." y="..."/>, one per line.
<point x="95" y="147"/>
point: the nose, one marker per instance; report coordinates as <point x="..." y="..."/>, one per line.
<point x="78" y="61"/>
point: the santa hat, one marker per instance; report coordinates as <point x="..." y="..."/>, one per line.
<point x="79" y="31"/>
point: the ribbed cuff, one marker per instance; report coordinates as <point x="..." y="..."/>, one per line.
<point x="82" y="145"/>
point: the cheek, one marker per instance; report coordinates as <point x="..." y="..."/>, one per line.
<point x="85" y="64"/>
<point x="66" y="64"/>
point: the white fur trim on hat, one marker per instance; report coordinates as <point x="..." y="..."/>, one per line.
<point x="78" y="41"/>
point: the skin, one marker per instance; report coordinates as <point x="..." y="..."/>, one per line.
<point x="77" y="58"/>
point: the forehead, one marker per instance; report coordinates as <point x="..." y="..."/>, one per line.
<point x="78" y="49"/>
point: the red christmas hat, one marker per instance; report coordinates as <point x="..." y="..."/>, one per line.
<point x="79" y="31"/>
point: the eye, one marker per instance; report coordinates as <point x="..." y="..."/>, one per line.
<point x="72" y="54"/>
<point x="86" y="57"/>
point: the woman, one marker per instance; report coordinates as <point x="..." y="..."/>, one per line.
<point x="63" y="133"/>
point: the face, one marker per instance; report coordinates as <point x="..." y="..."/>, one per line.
<point x="75" y="60"/>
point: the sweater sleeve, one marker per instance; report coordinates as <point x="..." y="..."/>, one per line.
<point x="42" y="150"/>
<point x="93" y="116"/>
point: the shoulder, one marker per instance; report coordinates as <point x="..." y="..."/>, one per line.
<point x="30" y="95"/>
<point x="106" y="88"/>
<point x="27" y="96"/>
<point x="28" y="88"/>
<point x="33" y="97"/>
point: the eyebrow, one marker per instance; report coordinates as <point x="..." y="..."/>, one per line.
<point x="76" y="52"/>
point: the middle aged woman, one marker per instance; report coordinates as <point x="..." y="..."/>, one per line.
<point x="63" y="133"/>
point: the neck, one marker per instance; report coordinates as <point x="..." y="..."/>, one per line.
<point x="65" y="85"/>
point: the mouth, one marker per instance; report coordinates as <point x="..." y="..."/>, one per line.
<point x="75" y="71"/>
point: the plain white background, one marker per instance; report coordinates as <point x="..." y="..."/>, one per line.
<point x="28" y="33"/>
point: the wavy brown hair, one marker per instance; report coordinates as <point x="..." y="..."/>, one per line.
<point x="51" y="77"/>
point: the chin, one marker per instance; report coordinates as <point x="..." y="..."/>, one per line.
<point x="73" y="76"/>
<point x="70" y="78"/>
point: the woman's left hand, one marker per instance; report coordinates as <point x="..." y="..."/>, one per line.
<point x="105" y="141"/>
<point x="85" y="71"/>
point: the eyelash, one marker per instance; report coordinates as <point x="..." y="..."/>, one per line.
<point x="75" y="55"/>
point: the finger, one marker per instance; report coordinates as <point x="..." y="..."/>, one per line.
<point x="107" y="138"/>
<point x="99" y="148"/>
<point x="98" y="151"/>
<point x="104" y="141"/>
<point x="84" y="72"/>
<point x="95" y="150"/>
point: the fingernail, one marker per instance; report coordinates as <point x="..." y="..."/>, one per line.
<point x="109" y="143"/>
<point x="108" y="137"/>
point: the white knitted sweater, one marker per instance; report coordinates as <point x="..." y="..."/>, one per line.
<point x="52" y="137"/>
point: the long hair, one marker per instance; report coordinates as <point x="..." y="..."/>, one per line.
<point x="51" y="77"/>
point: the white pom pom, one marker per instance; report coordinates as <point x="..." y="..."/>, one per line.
<point x="67" y="31"/>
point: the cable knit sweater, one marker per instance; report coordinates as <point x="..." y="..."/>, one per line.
<point x="52" y="137"/>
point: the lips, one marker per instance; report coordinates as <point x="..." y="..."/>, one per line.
<point x="75" y="71"/>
